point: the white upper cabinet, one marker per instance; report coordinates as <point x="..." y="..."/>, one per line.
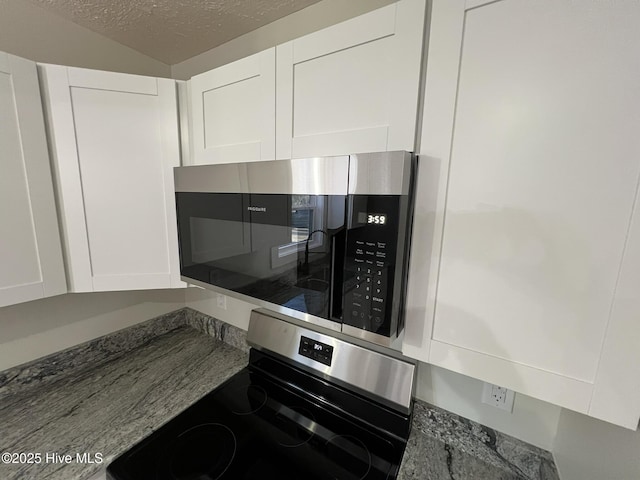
<point x="114" y="142"/>
<point x="616" y="395"/>
<point x="232" y="111"/>
<point x="543" y="165"/>
<point x="352" y="87"/>
<point x="30" y="251"/>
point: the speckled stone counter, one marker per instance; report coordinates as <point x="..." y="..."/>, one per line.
<point x="106" y="395"/>
<point x="111" y="405"/>
<point x="444" y="446"/>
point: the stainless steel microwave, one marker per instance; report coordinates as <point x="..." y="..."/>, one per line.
<point x="325" y="240"/>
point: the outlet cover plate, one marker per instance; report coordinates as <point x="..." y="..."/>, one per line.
<point x="221" y="301"/>
<point x="498" y="397"/>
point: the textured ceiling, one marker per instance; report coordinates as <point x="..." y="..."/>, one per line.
<point x="172" y="30"/>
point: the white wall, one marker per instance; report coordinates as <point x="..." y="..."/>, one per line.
<point x="31" y="32"/>
<point x="589" y="449"/>
<point x="35" y="329"/>
<point x="236" y="312"/>
<point x="302" y="22"/>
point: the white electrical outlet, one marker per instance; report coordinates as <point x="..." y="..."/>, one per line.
<point x="498" y="397"/>
<point x="221" y="301"/>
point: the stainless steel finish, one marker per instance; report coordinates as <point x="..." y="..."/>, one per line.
<point x="305" y="317"/>
<point x="300" y="176"/>
<point x="224" y="178"/>
<point x="383" y="378"/>
<point x="385" y="173"/>
<point x="370" y="336"/>
<point x="390" y="352"/>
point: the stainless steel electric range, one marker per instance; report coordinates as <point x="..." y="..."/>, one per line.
<point x="307" y="406"/>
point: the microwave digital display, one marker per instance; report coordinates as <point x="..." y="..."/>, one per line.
<point x="372" y="218"/>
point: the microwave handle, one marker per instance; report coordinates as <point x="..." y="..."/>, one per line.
<point x="337" y="274"/>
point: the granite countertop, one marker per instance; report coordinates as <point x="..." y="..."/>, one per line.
<point x="106" y="395"/>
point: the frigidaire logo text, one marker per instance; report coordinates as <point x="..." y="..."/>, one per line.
<point x="257" y="209"/>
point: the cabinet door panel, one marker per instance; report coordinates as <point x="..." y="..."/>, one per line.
<point x="119" y="152"/>
<point x="352" y="87"/>
<point x="112" y="81"/>
<point x="20" y="263"/>
<point x="240" y="98"/>
<point x="30" y="252"/>
<point x="115" y="140"/>
<point x="616" y="396"/>
<point x="544" y="169"/>
<point x="353" y="97"/>
<point x="233" y="111"/>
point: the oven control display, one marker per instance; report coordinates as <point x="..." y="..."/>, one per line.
<point x="320" y="352"/>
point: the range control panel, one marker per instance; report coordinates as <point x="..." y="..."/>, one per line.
<point x="318" y="351"/>
<point x="372" y="240"/>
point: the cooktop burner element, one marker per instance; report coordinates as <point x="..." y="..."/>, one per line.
<point x="247" y="400"/>
<point x="203" y="452"/>
<point x="278" y="419"/>
<point x="348" y="450"/>
<point x="294" y="426"/>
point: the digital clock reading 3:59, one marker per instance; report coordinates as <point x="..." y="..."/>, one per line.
<point x="372" y="218"/>
<point x="376" y="219"/>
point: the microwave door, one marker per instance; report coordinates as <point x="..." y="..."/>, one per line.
<point x="212" y="227"/>
<point x="267" y="232"/>
<point x="292" y="250"/>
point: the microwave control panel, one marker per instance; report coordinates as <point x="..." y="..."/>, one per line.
<point x="372" y="240"/>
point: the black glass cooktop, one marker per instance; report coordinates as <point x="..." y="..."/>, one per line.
<point x="259" y="425"/>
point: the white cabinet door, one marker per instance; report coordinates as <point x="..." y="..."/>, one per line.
<point x="233" y="111"/>
<point x="352" y="87"/>
<point x="616" y="395"/>
<point x="543" y="171"/>
<point x="115" y="142"/>
<point x="31" y="264"/>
